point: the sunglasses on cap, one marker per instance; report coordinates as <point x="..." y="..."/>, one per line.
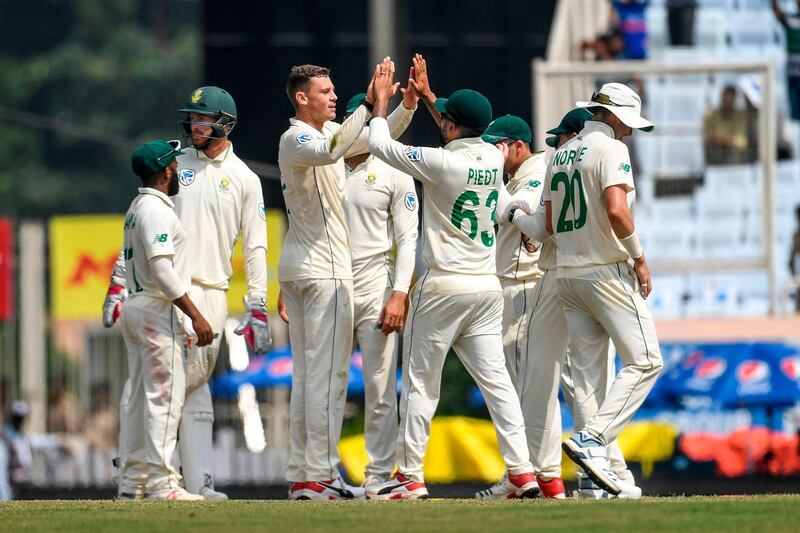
<point x="602" y="98"/>
<point x="176" y="147"/>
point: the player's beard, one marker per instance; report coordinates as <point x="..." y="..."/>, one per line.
<point x="442" y="138"/>
<point x="174" y="185"/>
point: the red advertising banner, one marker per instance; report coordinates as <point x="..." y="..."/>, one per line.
<point x="7" y="287"/>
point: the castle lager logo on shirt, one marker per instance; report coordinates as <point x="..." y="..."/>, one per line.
<point x="625" y="167"/>
<point x="371" y="179"/>
<point x="197" y="95"/>
<point x="224" y="183"/>
<point x="410" y="201"/>
<point x="413" y="154"/>
<point x="186" y="177"/>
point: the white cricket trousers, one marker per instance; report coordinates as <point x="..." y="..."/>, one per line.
<point x="516" y="313"/>
<point x="545" y="345"/>
<point x="321" y="336"/>
<point x="582" y="413"/>
<point x="153" y="339"/>
<point x="379" y="353"/>
<point x="471" y="325"/>
<point x="606" y="303"/>
<point x="197" y="423"/>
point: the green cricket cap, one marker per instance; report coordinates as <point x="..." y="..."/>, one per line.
<point x="154" y="156"/>
<point x="572" y="122"/>
<point x="466" y="108"/>
<point x="507" y="127"/>
<point x="354" y="102"/>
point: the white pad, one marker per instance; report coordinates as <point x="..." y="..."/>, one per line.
<point x="195" y="440"/>
<point x="237" y="346"/>
<point x="251" y="419"/>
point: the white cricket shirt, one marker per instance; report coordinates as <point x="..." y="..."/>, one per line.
<point x="381" y="209"/>
<point x="152" y="229"/>
<point x="220" y="199"/>
<point x="578" y="174"/>
<point x="461" y="186"/>
<point x="317" y="244"/>
<point x="514" y="262"/>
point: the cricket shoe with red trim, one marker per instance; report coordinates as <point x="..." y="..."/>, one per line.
<point x="173" y="494"/>
<point x="332" y="489"/>
<point x="297" y="491"/>
<point x="552" y="489"/>
<point x="511" y="487"/>
<point x="399" y="487"/>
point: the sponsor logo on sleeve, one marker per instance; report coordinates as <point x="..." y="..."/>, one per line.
<point x="262" y="211"/>
<point x="534" y="183"/>
<point x="303" y="138"/>
<point x="186" y="176"/>
<point x="160" y="238"/>
<point x="413" y="154"/>
<point x="625" y="167"/>
<point x="410" y="201"/>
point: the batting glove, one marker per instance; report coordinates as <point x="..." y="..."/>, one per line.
<point x="112" y="305"/>
<point x="255" y="325"/>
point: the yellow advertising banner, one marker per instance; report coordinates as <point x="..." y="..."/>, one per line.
<point x="83" y="250"/>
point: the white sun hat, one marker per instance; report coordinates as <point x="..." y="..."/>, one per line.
<point x="623" y="102"/>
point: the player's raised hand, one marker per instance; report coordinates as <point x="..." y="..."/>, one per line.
<point x="384" y="85"/>
<point x="643" y="273"/>
<point x="420" y="82"/>
<point x="410" y="96"/>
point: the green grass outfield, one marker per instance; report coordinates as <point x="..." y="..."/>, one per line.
<point x="728" y="514"/>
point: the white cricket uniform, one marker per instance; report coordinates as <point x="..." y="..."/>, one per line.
<point x="381" y="209"/>
<point x="153" y="338"/>
<point x="599" y="289"/>
<point x="516" y="267"/>
<point x="316" y="278"/>
<point x="220" y="201"/>
<point x="458" y="303"/>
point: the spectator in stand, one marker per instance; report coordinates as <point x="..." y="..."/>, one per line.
<point x="791" y="24"/>
<point x="64" y="414"/>
<point x="725" y="131"/>
<point x="629" y="17"/>
<point x="102" y="432"/>
<point x="18" y="457"/>
<point x="607" y="47"/>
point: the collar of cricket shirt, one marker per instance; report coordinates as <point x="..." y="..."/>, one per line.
<point x="528" y="166"/>
<point x="220" y="156"/>
<point x="593" y="125"/>
<point x="163" y="197"/>
<point x="464" y="142"/>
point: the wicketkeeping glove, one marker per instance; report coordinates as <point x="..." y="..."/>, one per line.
<point x="255" y="325"/>
<point x="112" y="305"/>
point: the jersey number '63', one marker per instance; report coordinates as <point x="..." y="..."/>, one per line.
<point x="460" y="214"/>
<point x="573" y="196"/>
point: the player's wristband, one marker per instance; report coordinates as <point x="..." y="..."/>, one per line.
<point x="632" y="245"/>
<point x="367" y="104"/>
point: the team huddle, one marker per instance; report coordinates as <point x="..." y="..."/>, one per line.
<point x="528" y="281"/>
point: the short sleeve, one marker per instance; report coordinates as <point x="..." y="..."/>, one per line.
<point x="614" y="167"/>
<point x="157" y="232"/>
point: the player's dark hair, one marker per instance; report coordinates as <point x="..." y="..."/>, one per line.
<point x="299" y="78"/>
<point x="469" y="132"/>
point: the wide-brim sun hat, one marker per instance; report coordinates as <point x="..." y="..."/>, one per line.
<point x="623" y="102"/>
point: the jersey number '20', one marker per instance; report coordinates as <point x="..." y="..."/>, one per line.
<point x="573" y="196"/>
<point x="460" y="214"/>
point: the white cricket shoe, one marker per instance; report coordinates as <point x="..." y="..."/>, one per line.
<point x="130" y="496"/>
<point x="589" y="453"/>
<point x="297" y="491"/>
<point x="588" y="490"/>
<point x="331" y="489"/>
<point x="208" y="493"/>
<point x="511" y="487"/>
<point x="373" y="480"/>
<point x="399" y="487"/>
<point x="173" y="494"/>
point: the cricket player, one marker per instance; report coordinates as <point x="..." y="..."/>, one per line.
<point x="588" y="198"/>
<point x="156" y="254"/>
<point x="458" y="302"/>
<point x="381" y="210"/>
<point x="547" y="357"/>
<point x="220" y="200"/>
<point x="316" y="276"/>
